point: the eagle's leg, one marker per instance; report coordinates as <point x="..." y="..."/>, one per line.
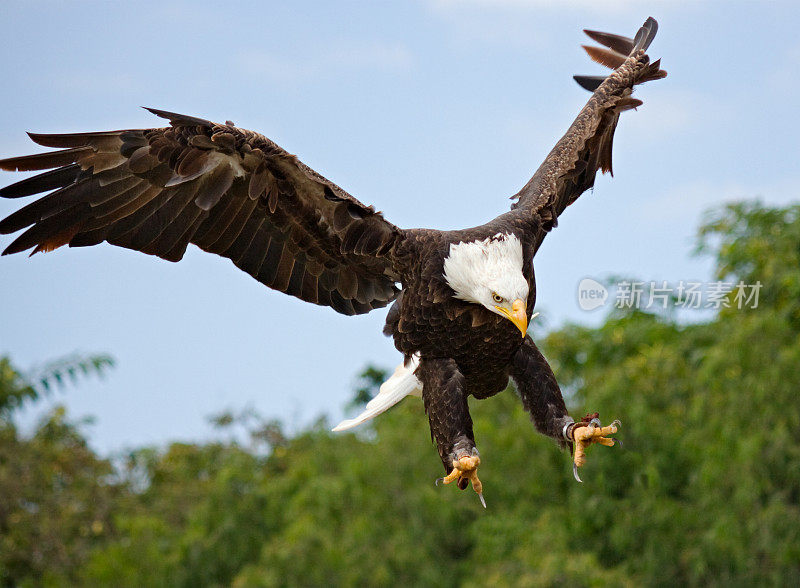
<point x="538" y="388"/>
<point x="445" y="399"/>
<point x="542" y="398"/>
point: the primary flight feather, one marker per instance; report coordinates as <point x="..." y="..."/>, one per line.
<point x="461" y="311"/>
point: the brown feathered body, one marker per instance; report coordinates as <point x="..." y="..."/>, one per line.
<point x="235" y="193"/>
<point x="426" y="319"/>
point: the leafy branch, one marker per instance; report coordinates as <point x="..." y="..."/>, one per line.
<point x="17" y="387"/>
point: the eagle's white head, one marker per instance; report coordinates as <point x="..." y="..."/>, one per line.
<point x="489" y="273"/>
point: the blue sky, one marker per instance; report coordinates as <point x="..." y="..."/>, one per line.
<point x="434" y="111"/>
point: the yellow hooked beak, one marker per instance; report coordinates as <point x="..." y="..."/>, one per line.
<point x="517" y="315"/>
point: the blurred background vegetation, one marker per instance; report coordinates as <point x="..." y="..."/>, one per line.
<point x="705" y="492"/>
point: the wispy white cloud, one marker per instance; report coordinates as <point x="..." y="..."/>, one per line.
<point x="687" y="202"/>
<point x="527" y="24"/>
<point x="591" y="5"/>
<point x="780" y="76"/>
<point x="371" y="56"/>
<point x="662" y="117"/>
<point x="793" y="54"/>
<point x="668" y="111"/>
<point x="81" y="82"/>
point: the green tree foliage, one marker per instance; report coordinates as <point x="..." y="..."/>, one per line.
<point x="16" y="387"/>
<point x="705" y="492"/>
<point x="55" y="495"/>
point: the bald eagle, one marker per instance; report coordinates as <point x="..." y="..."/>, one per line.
<point x="461" y="300"/>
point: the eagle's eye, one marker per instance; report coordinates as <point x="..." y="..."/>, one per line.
<point x="497" y="298"/>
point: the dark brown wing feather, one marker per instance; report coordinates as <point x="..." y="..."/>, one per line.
<point x="227" y="190"/>
<point x="571" y="167"/>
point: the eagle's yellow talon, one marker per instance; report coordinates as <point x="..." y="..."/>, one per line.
<point x="586" y="435"/>
<point x="452" y="476"/>
<point x="467" y="467"/>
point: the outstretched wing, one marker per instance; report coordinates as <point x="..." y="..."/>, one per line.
<point x="229" y="191"/>
<point x="572" y="165"/>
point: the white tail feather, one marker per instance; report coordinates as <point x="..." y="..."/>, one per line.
<point x="402" y="383"/>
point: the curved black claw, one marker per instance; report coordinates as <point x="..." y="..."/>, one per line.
<point x="575" y="472"/>
<point x="437" y="481"/>
<point x="617" y="423"/>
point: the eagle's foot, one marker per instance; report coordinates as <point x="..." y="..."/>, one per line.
<point x="465" y="470"/>
<point x="588" y="431"/>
